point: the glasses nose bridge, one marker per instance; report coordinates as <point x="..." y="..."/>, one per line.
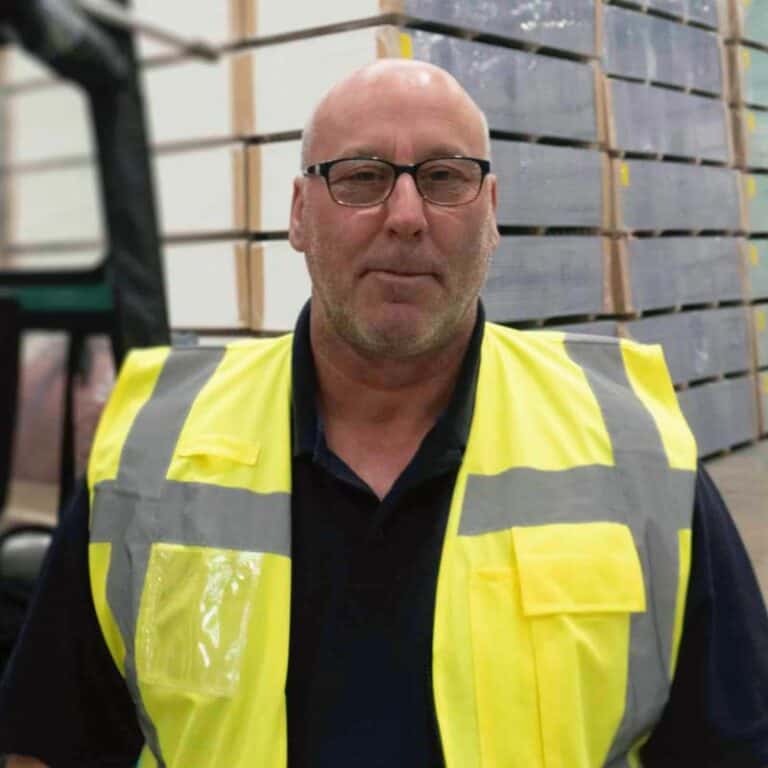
<point x="406" y="170"/>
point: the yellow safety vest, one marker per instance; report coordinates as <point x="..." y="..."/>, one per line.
<point x="562" y="580"/>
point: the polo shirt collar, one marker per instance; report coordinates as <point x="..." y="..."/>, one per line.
<point x="443" y="446"/>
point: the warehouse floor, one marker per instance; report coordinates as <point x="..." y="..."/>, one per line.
<point x="742" y="477"/>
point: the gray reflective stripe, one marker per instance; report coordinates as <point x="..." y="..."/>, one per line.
<point x="195" y="514"/>
<point x="659" y="508"/>
<point x="629" y="424"/>
<point x="633" y="493"/>
<point x="579" y="495"/>
<point x="141" y="508"/>
<point x="150" y="443"/>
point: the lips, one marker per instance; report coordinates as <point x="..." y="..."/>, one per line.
<point x="401" y="268"/>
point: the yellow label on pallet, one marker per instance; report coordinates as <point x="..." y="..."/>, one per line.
<point x="751" y="122"/>
<point x="746" y="3"/>
<point x="760" y="321"/>
<point x="751" y="187"/>
<point x="754" y="255"/>
<point x="406" y="46"/>
<point x="624" y="174"/>
<point x="746" y="58"/>
<point x="765" y="384"/>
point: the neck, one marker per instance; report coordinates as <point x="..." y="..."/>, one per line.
<point x="377" y="411"/>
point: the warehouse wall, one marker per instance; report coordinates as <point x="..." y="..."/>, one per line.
<point x="631" y="145"/>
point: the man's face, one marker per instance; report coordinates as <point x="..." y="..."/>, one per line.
<point x="401" y="278"/>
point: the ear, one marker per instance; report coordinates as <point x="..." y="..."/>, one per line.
<point x="296" y="232"/>
<point x="493" y="184"/>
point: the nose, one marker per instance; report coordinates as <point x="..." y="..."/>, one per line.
<point x="405" y="209"/>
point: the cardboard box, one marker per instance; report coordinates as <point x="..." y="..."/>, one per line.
<point x="654" y="49"/>
<point x="721" y="413"/>
<point x="520" y="92"/>
<point x="535" y="277"/>
<point x="668" y="272"/>
<point x="202" y="285"/>
<point x="698" y="344"/>
<point x="653" y="196"/>
<point x="277" y="285"/>
<point x="648" y="119"/>
<point x="569" y="25"/>
<point x="756" y="266"/>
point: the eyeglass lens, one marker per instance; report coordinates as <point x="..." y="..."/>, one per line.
<point x="451" y="181"/>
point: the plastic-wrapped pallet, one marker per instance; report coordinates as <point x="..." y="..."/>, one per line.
<point x="654" y="196"/>
<point x="699" y="344"/>
<point x="201" y="280"/>
<point x="749" y="74"/>
<point x="750" y="21"/>
<point x="275" y="285"/>
<point x="520" y="92"/>
<point x="700" y="11"/>
<point x="705" y="12"/>
<point x="549" y="186"/>
<point x="189" y="100"/>
<point x="760" y="322"/>
<point x="756" y="202"/>
<point x="539" y="185"/>
<point x="656" y="49"/>
<point x="644" y="118"/>
<point x="568" y="25"/>
<point x="751" y="138"/>
<point x="762" y="384"/>
<point x="757" y="269"/>
<point x="666" y="272"/>
<point x="721" y="414"/>
<point x="535" y="277"/>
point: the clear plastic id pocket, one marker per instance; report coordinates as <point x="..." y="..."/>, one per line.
<point x="193" y="621"/>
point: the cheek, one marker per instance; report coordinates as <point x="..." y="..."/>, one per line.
<point x="336" y="233"/>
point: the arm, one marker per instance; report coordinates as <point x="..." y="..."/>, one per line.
<point x="62" y="698"/>
<point x="16" y="761"/>
<point x="717" y="713"/>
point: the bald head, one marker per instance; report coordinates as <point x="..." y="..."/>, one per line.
<point x="390" y="78"/>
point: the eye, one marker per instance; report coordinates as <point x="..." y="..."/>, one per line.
<point x="360" y="173"/>
<point x="444" y="173"/>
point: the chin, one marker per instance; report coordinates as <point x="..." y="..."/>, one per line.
<point x="409" y="335"/>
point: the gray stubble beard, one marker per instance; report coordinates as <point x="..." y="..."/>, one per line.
<point x="382" y="345"/>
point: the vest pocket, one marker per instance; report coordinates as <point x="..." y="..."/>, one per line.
<point x="193" y="620"/>
<point x="551" y="645"/>
<point x="579" y="585"/>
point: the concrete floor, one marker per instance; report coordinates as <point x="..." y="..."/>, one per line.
<point x="742" y="477"/>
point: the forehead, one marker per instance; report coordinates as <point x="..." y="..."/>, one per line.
<point x="415" y="112"/>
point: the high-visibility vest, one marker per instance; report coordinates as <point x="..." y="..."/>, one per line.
<point x="562" y="580"/>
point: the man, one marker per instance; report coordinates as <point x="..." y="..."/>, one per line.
<point x="491" y="533"/>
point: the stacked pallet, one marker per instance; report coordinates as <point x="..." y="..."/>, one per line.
<point x="678" y="212"/>
<point x="748" y="49"/>
<point x="530" y="69"/>
<point x="633" y="169"/>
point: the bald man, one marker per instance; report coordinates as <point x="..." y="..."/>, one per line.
<point x="402" y="536"/>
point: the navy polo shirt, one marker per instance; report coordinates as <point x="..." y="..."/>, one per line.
<point x="359" y="689"/>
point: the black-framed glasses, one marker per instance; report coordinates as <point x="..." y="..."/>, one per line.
<point x="362" y="182"/>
